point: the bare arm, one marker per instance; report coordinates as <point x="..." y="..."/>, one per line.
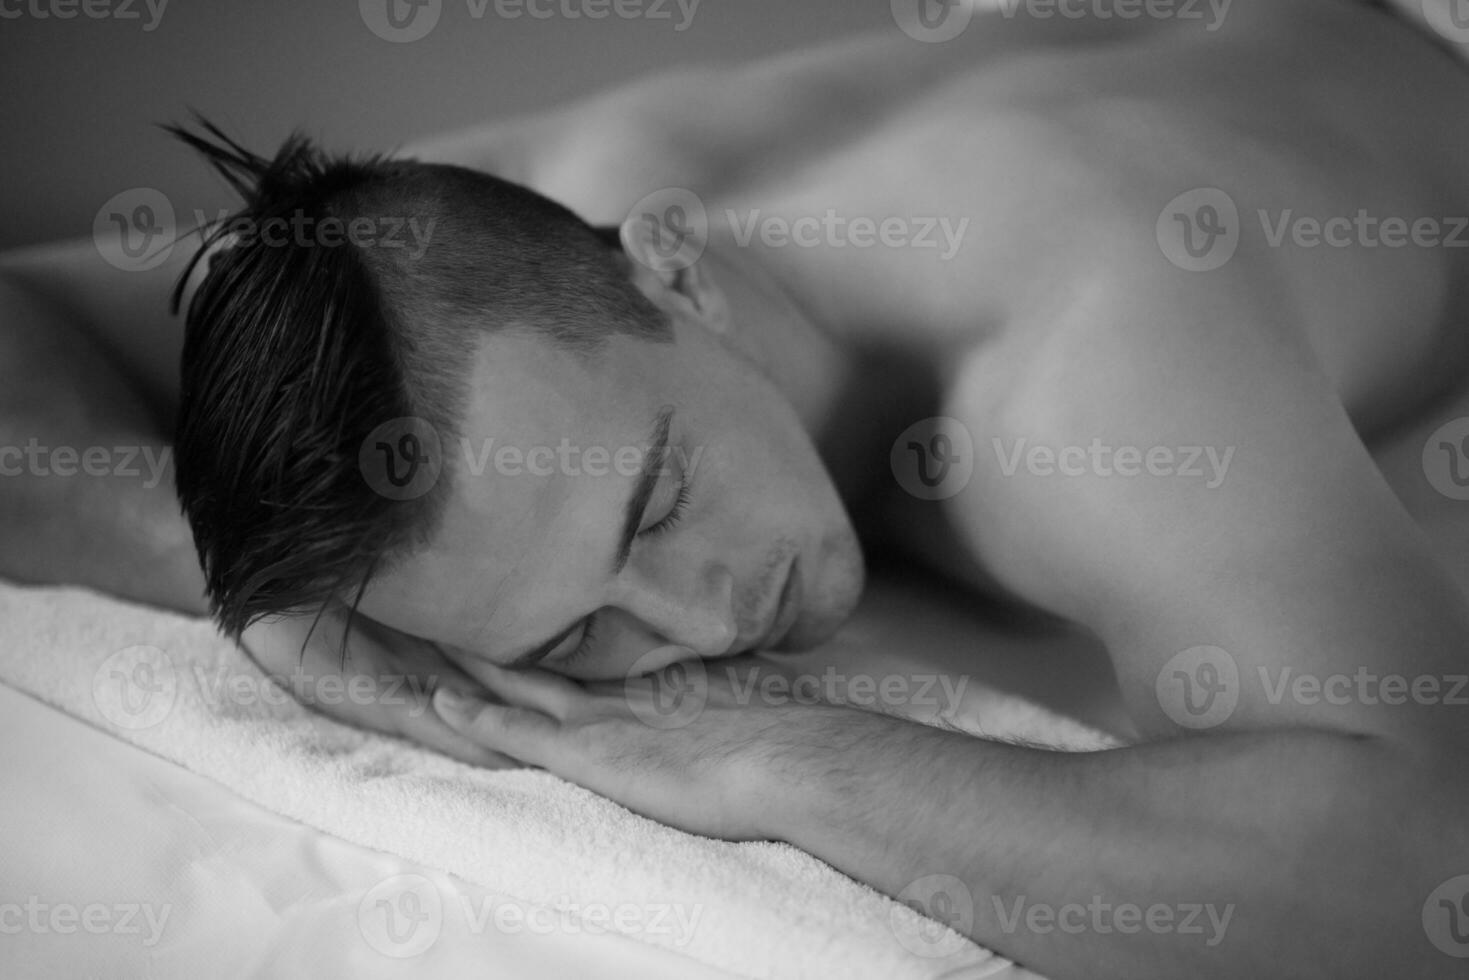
<point x="86" y="478"/>
<point x="1300" y="833"/>
<point x="1281" y="632"/>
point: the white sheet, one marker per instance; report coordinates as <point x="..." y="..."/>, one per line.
<point x="87" y="819"/>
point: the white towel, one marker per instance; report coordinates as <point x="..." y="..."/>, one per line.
<point x="767" y="910"/>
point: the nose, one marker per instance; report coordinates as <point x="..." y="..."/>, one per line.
<point x="692" y="611"/>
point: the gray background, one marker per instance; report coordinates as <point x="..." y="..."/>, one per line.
<point x="80" y="96"/>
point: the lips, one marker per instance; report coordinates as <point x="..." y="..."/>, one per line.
<point x="787" y="609"/>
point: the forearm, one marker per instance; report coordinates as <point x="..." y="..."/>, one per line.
<point x="86" y="478"/>
<point x="1294" y="854"/>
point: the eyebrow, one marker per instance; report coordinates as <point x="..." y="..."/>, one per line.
<point x="632" y="519"/>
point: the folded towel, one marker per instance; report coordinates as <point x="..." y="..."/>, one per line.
<point x="174" y="687"/>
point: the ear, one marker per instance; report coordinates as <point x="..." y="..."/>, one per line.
<point x="671" y="271"/>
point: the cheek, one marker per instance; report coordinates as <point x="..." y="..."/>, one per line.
<point x="402" y="602"/>
<point x="740" y="415"/>
<point x="758" y="472"/>
<point x="716" y="373"/>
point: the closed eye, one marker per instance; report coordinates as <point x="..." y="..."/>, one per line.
<point x="666" y="523"/>
<point x="588" y="636"/>
<point x="675" y="513"/>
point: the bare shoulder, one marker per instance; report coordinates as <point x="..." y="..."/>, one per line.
<point x="1175" y="472"/>
<point x="706" y="127"/>
<point x="123" y="308"/>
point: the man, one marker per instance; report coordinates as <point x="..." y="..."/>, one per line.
<point x="1082" y="311"/>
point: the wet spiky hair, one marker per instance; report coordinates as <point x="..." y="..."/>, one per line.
<point x="299" y="344"/>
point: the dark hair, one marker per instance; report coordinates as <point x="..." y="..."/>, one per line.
<point x="295" y="350"/>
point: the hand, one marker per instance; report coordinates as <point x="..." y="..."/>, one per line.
<point x="677" y="746"/>
<point x="383" y="681"/>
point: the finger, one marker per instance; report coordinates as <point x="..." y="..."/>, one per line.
<point x="417" y="720"/>
<point x="430" y="730"/>
<point x="441" y="738"/>
<point x="542" y="690"/>
<point x="408" y="712"/>
<point x="521" y="732"/>
<point x="397" y="699"/>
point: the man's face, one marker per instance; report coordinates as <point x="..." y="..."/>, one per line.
<point x="561" y="516"/>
